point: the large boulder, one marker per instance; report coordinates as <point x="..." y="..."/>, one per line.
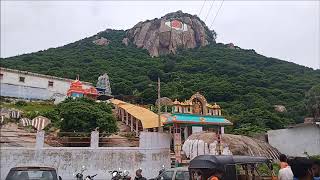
<point x="170" y="32"/>
<point x="206" y="143"/>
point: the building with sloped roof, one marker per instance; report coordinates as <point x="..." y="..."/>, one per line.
<point x="136" y="117"/>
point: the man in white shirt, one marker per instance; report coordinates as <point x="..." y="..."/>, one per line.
<point x="285" y="174"/>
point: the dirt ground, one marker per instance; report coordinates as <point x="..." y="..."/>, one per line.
<point x="12" y="136"/>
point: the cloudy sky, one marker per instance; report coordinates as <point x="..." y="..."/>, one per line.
<point x="288" y="30"/>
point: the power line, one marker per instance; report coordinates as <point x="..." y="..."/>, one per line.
<point x="209" y="11"/>
<point x="216" y="15"/>
<point x="202" y="7"/>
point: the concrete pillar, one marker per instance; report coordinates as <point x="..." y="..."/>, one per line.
<point x="40" y="139"/>
<point x="137" y="127"/>
<point x="122" y="115"/>
<point x="127" y="118"/>
<point x="94" y="141"/>
<point x="177" y="143"/>
<point x="131" y="123"/>
<point x="186" y="135"/>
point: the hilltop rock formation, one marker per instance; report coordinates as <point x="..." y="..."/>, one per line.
<point x="170" y="32"/>
<point x="101" y="42"/>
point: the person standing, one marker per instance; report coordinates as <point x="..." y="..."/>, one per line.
<point x="316" y="169"/>
<point x="283" y="161"/>
<point x="139" y="175"/>
<point x="302" y="168"/>
<point x="217" y="175"/>
<point x="285" y="173"/>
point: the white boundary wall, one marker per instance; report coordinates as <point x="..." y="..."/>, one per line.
<point x="152" y="153"/>
<point x="296" y="140"/>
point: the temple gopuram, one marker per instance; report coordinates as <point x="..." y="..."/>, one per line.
<point x="194" y="115"/>
<point x="76" y="90"/>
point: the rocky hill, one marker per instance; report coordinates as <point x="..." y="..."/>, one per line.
<point x="170" y="32"/>
<point x="248" y="86"/>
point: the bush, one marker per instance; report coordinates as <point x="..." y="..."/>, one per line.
<point x="85" y="115"/>
<point x="21" y="103"/>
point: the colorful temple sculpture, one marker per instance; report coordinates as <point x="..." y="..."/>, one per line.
<point x="76" y="90"/>
<point x="194" y="115"/>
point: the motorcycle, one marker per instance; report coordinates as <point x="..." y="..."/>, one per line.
<point x="90" y="177"/>
<point x="79" y="176"/>
<point x="162" y="169"/>
<point x="119" y="175"/>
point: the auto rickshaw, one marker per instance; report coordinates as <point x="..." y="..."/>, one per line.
<point x="232" y="167"/>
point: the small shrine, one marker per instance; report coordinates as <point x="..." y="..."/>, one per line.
<point x="76" y="90"/>
<point x="194" y="115"/>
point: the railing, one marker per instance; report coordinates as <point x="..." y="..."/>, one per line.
<point x="68" y="139"/>
<point x="93" y="139"/>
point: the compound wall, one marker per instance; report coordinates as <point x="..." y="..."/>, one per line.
<point x="68" y="160"/>
<point x="297" y="140"/>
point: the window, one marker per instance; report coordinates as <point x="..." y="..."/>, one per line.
<point x="21" y="79"/>
<point x="50" y="83"/>
<point x="167" y="175"/>
<point x="182" y="175"/>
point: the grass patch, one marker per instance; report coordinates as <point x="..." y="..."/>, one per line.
<point x="30" y="106"/>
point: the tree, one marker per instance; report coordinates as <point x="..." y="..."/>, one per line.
<point x="313" y="102"/>
<point x="84" y="115"/>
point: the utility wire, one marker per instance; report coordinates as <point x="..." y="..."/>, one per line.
<point x="202" y="7"/>
<point x="209" y="11"/>
<point x="216" y="15"/>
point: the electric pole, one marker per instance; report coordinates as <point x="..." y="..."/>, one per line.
<point x="159" y="107"/>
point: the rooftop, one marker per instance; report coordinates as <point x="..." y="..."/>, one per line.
<point x="194" y="119"/>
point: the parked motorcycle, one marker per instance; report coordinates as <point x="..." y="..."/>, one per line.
<point x="162" y="169"/>
<point x="90" y="177"/>
<point x="119" y="175"/>
<point x="79" y="176"/>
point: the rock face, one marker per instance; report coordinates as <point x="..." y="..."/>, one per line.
<point x="125" y="41"/>
<point x="280" y="108"/>
<point x="206" y="143"/>
<point x="104" y="85"/>
<point x="101" y="42"/>
<point x="170" y="32"/>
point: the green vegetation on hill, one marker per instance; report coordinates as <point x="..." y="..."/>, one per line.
<point x="245" y="84"/>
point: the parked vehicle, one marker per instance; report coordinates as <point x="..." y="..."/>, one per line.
<point x="79" y="176"/>
<point x="179" y="173"/>
<point x="32" y="173"/>
<point x="119" y="175"/>
<point x="162" y="169"/>
<point x="90" y="177"/>
<point x="232" y="167"/>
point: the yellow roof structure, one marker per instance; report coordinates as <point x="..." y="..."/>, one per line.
<point x="148" y="118"/>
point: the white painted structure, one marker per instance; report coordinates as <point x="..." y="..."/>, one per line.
<point x="152" y="153"/>
<point x="28" y="85"/>
<point x="297" y="140"/>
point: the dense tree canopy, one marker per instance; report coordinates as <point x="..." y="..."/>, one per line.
<point x="313" y="102"/>
<point x="84" y="115"/>
<point x="246" y="85"/>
